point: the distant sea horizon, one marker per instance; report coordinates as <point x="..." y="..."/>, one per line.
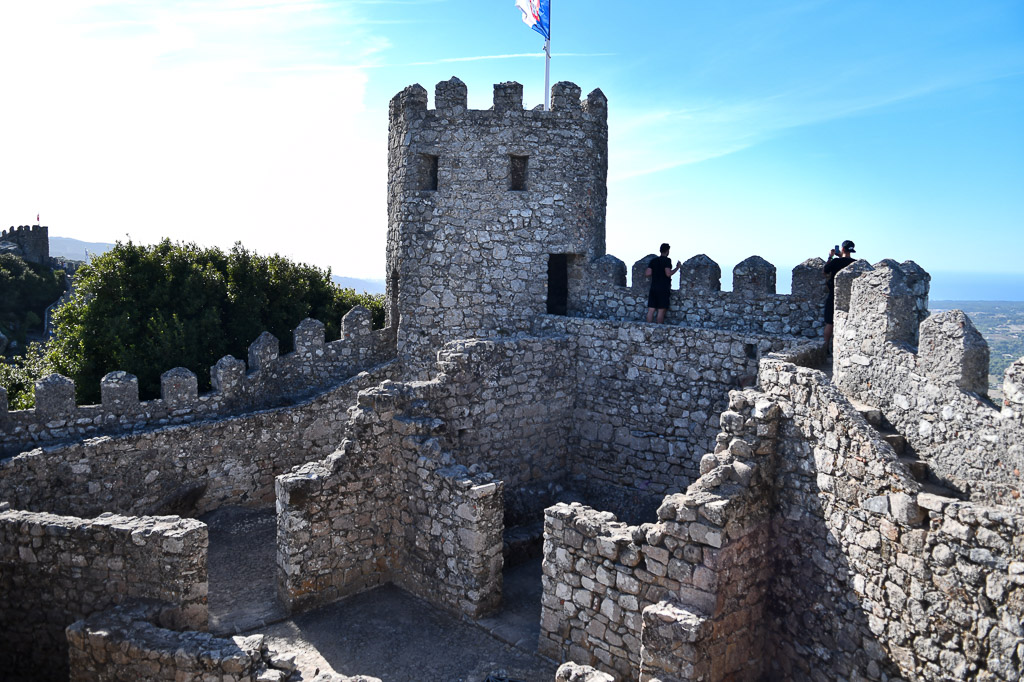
<point x="976" y="286"/>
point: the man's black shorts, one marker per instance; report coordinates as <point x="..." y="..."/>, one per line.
<point x="659" y="299"/>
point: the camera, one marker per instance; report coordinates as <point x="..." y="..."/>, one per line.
<point x="837" y="250"/>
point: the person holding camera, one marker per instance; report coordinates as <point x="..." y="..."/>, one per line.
<point x="838" y="258"/>
<point x="660" y="271"/>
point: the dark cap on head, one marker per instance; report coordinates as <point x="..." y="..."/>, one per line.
<point x="848" y="245"/>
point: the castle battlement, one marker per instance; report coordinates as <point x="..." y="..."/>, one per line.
<point x="32" y="240"/>
<point x="268" y="380"/>
<point x="928" y="374"/>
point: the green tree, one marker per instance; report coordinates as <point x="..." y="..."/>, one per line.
<point x="26" y="289"/>
<point x="146" y="309"/>
<point x="19" y="376"/>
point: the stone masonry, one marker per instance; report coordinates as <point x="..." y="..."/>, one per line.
<point x="712" y="503"/>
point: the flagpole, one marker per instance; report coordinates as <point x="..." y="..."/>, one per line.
<point x="547" y="75"/>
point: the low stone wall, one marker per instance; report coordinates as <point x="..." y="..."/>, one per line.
<point x="55" y="570"/>
<point x="598" y="290"/>
<point x="875" y="577"/>
<point x="131" y="642"/>
<point x="930" y="380"/>
<point x="185" y="469"/>
<point x="269" y="380"/>
<point x="648" y="402"/>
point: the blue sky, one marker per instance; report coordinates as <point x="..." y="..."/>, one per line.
<point x="735" y="128"/>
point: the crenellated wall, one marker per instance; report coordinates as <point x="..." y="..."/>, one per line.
<point x="32" y="240"/>
<point x="55" y="570"/>
<point x="478" y="204"/>
<point x="929" y="377"/>
<point x="186" y="469"/>
<point x="598" y="290"/>
<point x="268" y="381"/>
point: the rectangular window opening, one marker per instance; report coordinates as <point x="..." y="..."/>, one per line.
<point x="428" y="173"/>
<point x="517" y="173"/>
<point x="558" y="284"/>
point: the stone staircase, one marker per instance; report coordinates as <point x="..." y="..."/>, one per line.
<point x="919" y="468"/>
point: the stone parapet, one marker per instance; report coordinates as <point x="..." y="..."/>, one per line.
<point x="272" y="380"/>
<point x="185" y="469"/>
<point x="752" y="307"/>
<point x="873" y="573"/>
<point x="929" y="380"/>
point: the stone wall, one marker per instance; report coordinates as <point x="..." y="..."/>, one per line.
<point x="186" y="469"/>
<point x="478" y="203"/>
<point x="647" y="403"/>
<point x="683" y="598"/>
<point x="929" y="378"/>
<point x="32" y="240"/>
<point x="411" y="496"/>
<point x="134" y="642"/>
<point x="269" y="380"/>
<point x="598" y="290"/>
<point x="55" y="570"/>
<point x="874" y="576"/>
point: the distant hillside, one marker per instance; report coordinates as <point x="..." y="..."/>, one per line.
<point x="73" y="249"/>
<point x="370" y="286"/>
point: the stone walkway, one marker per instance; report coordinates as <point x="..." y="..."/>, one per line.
<point x="385" y="633"/>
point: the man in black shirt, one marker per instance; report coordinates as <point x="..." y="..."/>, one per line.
<point x="836" y="262"/>
<point x="660" y="271"/>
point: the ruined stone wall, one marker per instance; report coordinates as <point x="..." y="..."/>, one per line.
<point x="679" y="599"/>
<point x="478" y="202"/>
<point x="598" y="290"/>
<point x="185" y="469"/>
<point x="410" y="496"/>
<point x="133" y="641"/>
<point x="33" y="240"/>
<point x="873" y="576"/>
<point x="270" y="381"/>
<point x="929" y="378"/>
<point x="55" y="570"/>
<point x="647" y="400"/>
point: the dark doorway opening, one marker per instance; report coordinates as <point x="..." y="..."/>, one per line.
<point x="558" y="284"/>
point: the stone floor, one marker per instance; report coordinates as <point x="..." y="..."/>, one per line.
<point x="385" y="633"/>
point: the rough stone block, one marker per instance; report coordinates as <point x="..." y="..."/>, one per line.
<point x="753" y="277"/>
<point x="263" y="351"/>
<point x="507" y="97"/>
<point x="809" y="282"/>
<point x="227" y="375"/>
<point x="179" y="387"/>
<point x="565" y="96"/>
<point x="55" y="396"/>
<point x="119" y="392"/>
<point x="309" y="337"/>
<point x="952" y="351"/>
<point x="700" y="274"/>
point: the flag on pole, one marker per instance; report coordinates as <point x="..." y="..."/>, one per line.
<point x="537" y="15"/>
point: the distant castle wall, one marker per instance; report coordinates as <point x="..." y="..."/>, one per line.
<point x="55" y="570"/>
<point x="33" y="242"/>
<point x="479" y="211"/>
<point x="929" y="377"/>
<point x="267" y="381"/>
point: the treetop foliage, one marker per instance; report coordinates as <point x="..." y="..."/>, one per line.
<point x="147" y="309"/>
